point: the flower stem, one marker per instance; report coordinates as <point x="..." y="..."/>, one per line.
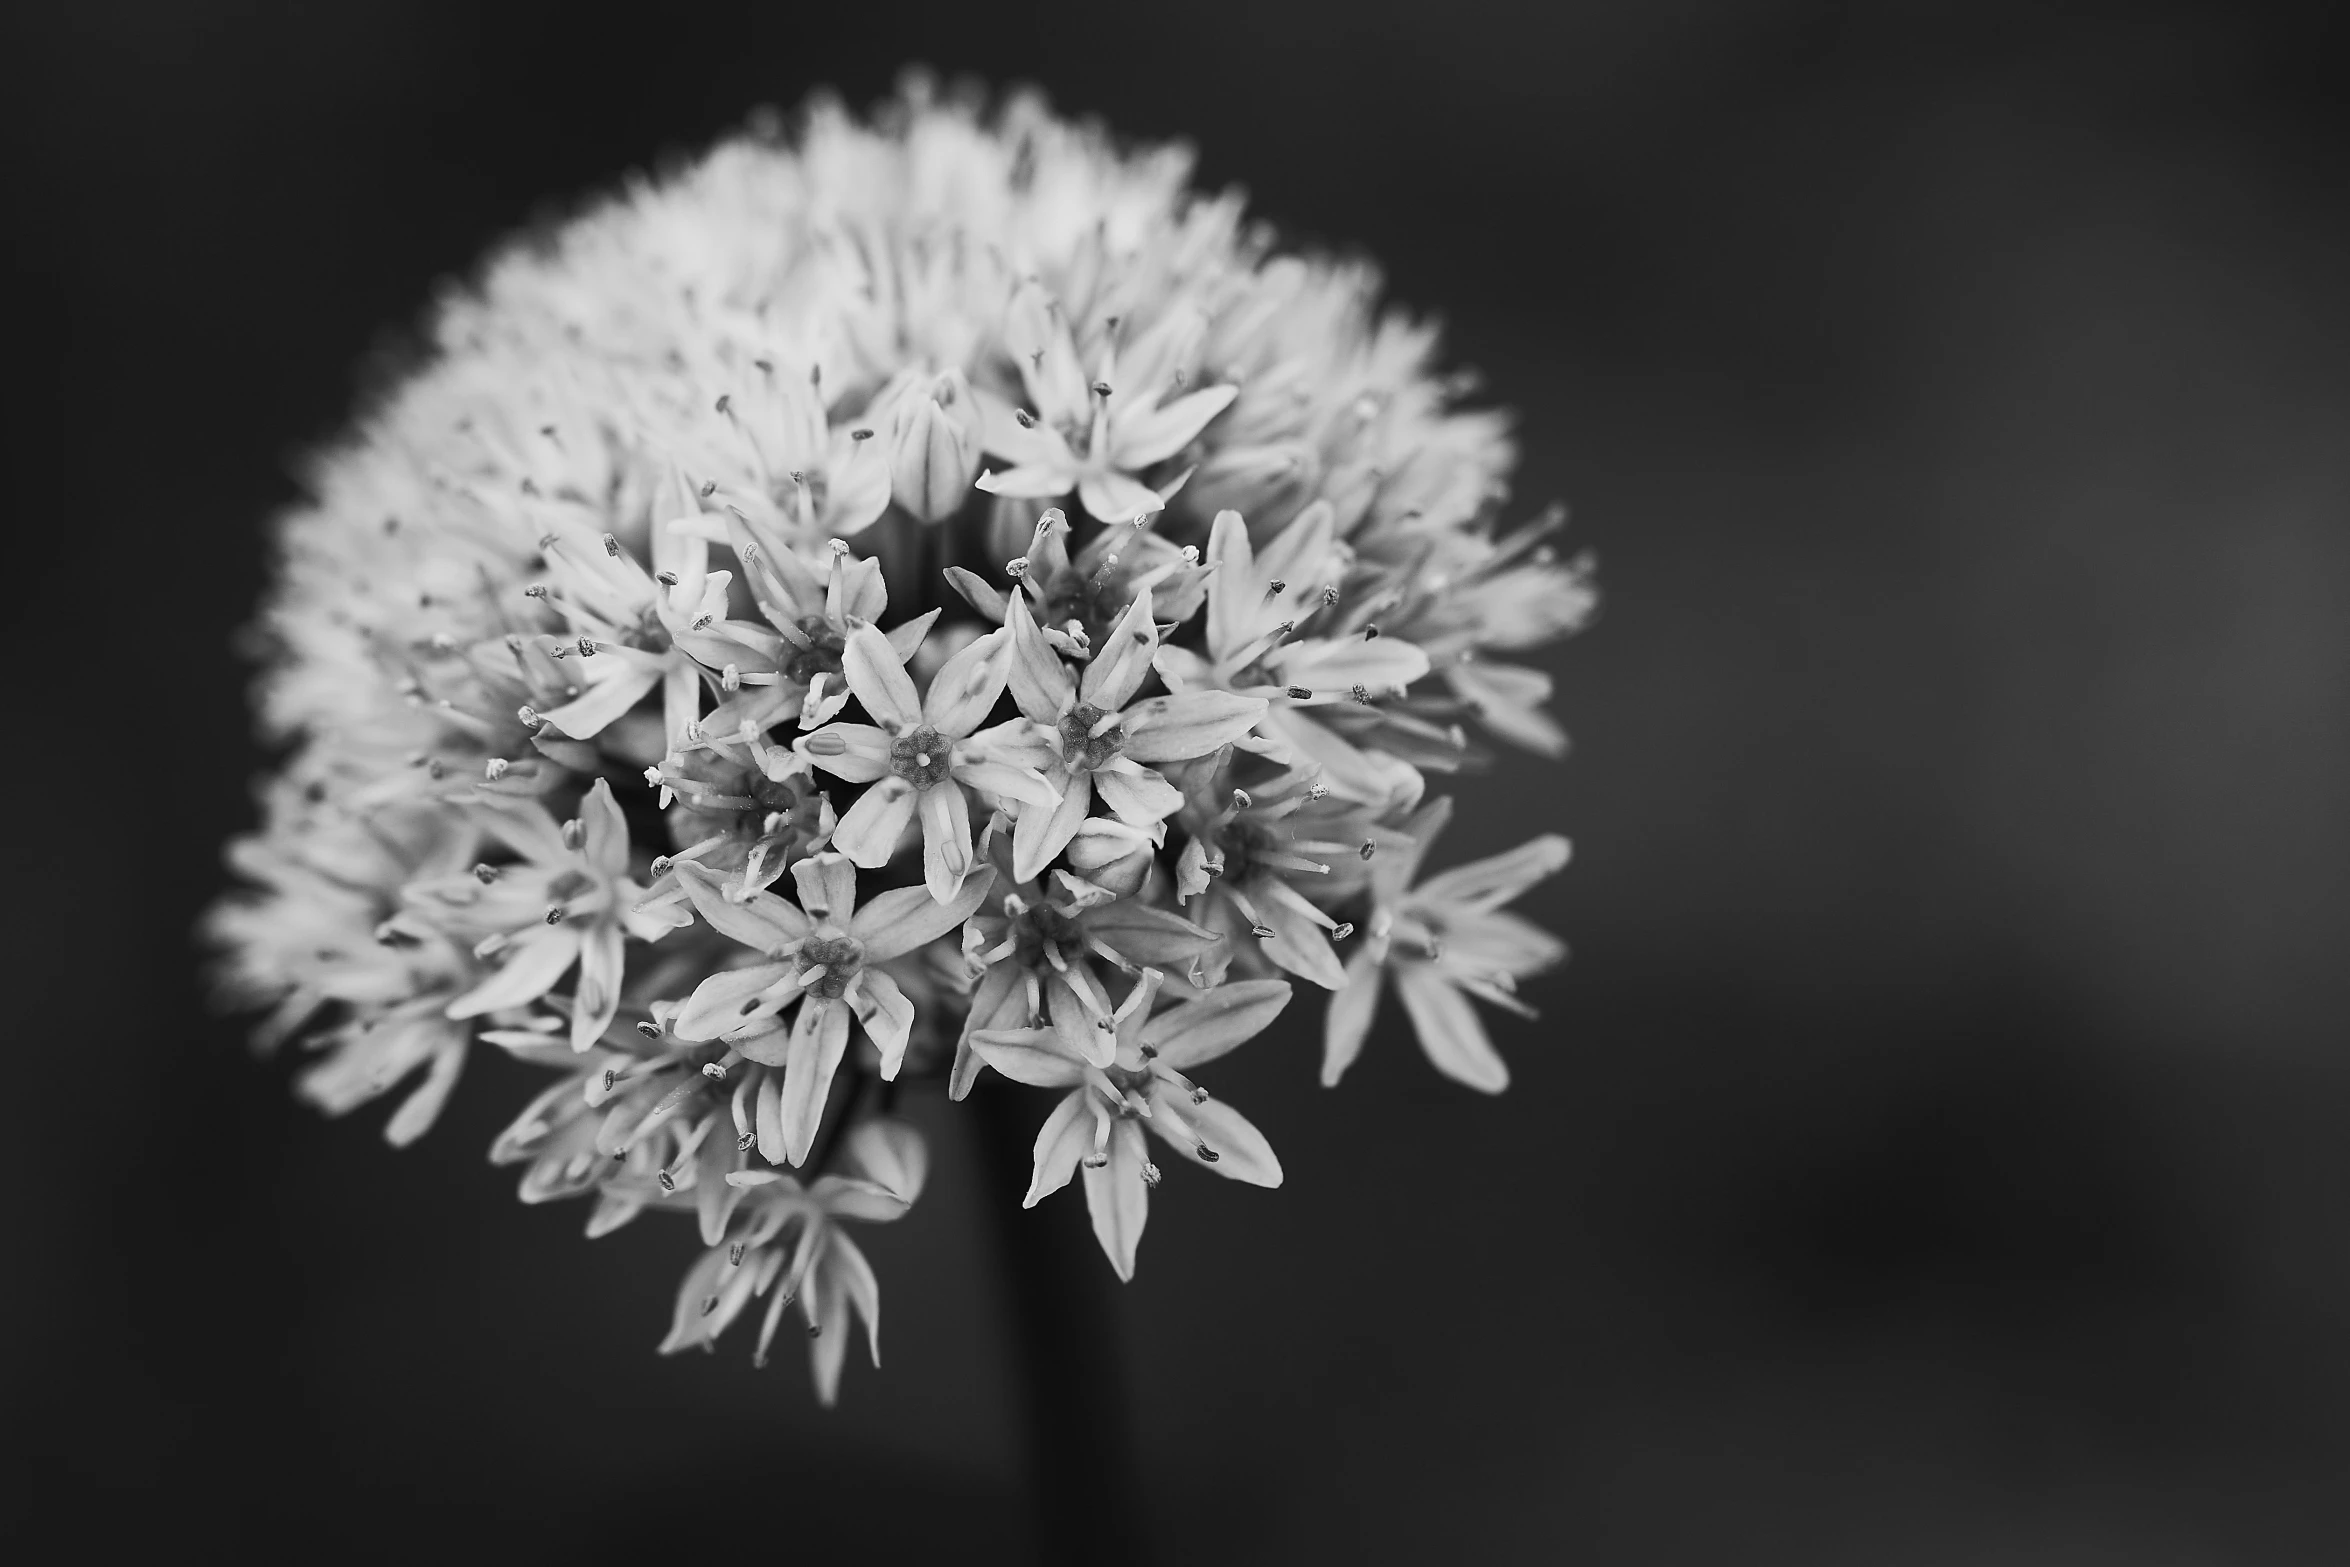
<point x="1084" y="1471"/>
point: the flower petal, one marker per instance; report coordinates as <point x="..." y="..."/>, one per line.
<point x="1449" y="1031"/>
<point x="603" y="830"/>
<point x="1215" y="1021"/>
<point x="887" y="1015"/>
<point x="1123" y="658"/>
<point x="1177" y="728"/>
<point x="762" y="921"/>
<point x="587" y="715"/>
<point x="828" y="887"/>
<point x="1242" y="1154"/>
<point x="1110" y="496"/>
<point x="1139" y="439"/>
<point x="819" y="1038"/>
<point x="1030" y="481"/>
<point x="946" y="839"/>
<point x="1040" y="682"/>
<point x="1040" y="834"/>
<point x="731" y="998"/>
<point x="863" y="753"/>
<point x="1489" y="883"/>
<point x="880" y="680"/>
<point x="967" y="685"/>
<point x="1138" y="797"/>
<point x="1028" y="1055"/>
<point x="870" y="830"/>
<point x="596" y="995"/>
<point x="534" y="961"/>
<point x="903" y="918"/>
<point x="1118" y="1197"/>
<point x="1348" y="1022"/>
<point x="1064" y="1139"/>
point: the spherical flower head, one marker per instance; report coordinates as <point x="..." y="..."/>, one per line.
<point x="919" y="597"/>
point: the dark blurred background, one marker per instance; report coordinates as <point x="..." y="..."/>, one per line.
<point x="1934" y="1152"/>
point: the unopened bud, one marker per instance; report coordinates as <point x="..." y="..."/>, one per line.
<point x="934" y="449"/>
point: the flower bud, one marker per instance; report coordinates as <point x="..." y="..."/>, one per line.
<point x="1111" y="856"/>
<point x="934" y="447"/>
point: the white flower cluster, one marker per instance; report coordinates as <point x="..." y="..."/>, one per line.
<point x="926" y="596"/>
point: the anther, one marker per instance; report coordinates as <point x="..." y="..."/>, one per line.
<point x="1150" y="1173"/>
<point x="1207" y="1155"/>
<point x="1241" y="800"/>
<point x="725" y="401"/>
<point x="1299" y="693"/>
<point x="715" y="1071"/>
<point x="743" y="1143"/>
<point x="1199" y="1095"/>
<point x="667" y="579"/>
<point x="825" y="743"/>
<point x="704" y="622"/>
<point x="653" y="780"/>
<point x="662" y="863"/>
<point x="494" y="768"/>
<point x="709" y="488"/>
<point x="649" y="1029"/>
<point x="669" y="1184"/>
<point x="1027" y="420"/>
<point x="860" y="435"/>
<point x="734" y="1254"/>
<point x="537" y="590"/>
<point x="1101" y="388"/>
<point x="611" y="1076"/>
<point x="485" y="873"/>
<point x="574" y="834"/>
<point x="1275" y="588"/>
<point x="1329" y="596"/>
<point x="1343" y="929"/>
<point x="815" y="1330"/>
<point x="1368" y="849"/>
<point x="1262" y="932"/>
<point x="554" y="913"/>
<point x="1094" y="1161"/>
<point x="1360" y="693"/>
<point x="436" y="769"/>
<point x="1317" y="791"/>
<point x="1370" y="633"/>
<point x="587" y="649"/>
<point x="731" y="677"/>
<point x="710" y="1304"/>
<point x="611" y="546"/>
<point x="1016" y="568"/>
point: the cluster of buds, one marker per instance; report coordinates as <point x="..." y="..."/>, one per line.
<point x="926" y="598"/>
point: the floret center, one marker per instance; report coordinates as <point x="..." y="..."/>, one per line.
<point x="839" y="956"/>
<point x="1081" y="746"/>
<point x="920" y="757"/>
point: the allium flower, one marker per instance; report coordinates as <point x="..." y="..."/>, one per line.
<point x="1444" y="941"/>
<point x="713" y="545"/>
